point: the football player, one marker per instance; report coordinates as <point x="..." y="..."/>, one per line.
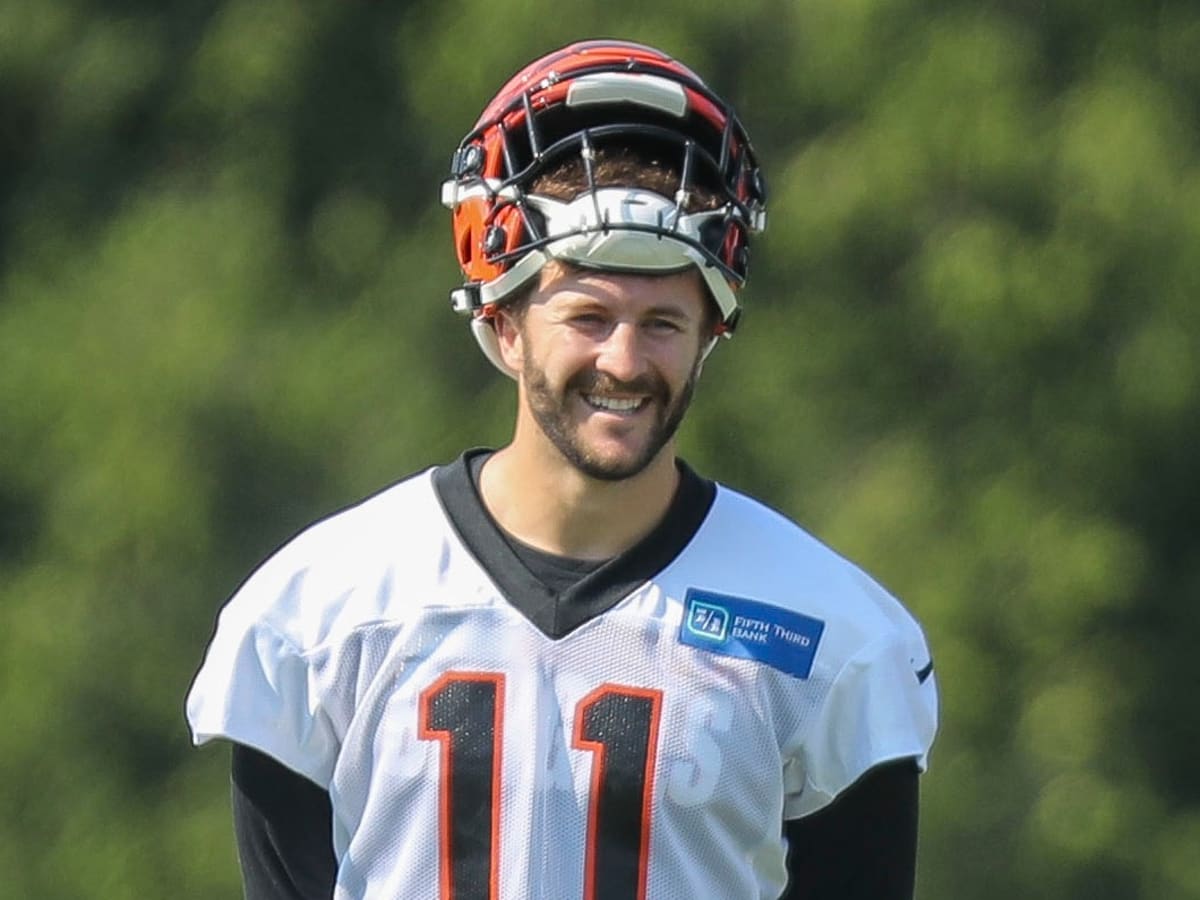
<point x="573" y="668"/>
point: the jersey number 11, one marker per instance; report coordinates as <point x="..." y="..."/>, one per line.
<point x="617" y="724"/>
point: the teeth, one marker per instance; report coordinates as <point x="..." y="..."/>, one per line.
<point x="615" y="404"/>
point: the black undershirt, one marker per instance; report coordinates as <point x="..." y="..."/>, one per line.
<point x="860" y="847"/>
<point x="558" y="573"/>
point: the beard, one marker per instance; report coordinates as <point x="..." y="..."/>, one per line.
<point x="551" y="410"/>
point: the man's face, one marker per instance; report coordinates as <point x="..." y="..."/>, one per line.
<point x="610" y="362"/>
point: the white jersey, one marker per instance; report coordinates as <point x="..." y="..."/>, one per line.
<point x="649" y="748"/>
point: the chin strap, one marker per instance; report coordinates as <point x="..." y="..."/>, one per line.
<point x="485" y="337"/>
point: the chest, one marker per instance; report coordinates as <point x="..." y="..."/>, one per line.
<point x="617" y="752"/>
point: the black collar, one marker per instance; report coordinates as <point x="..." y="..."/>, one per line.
<point x="558" y="613"/>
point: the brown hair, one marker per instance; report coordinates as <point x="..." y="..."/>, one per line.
<point x="620" y="167"/>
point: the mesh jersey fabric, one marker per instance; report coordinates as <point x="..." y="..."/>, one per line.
<point x="467" y="753"/>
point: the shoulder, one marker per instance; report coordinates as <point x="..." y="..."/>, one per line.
<point x="271" y="675"/>
<point x="810" y="611"/>
<point x="341" y="571"/>
<point x="748" y="550"/>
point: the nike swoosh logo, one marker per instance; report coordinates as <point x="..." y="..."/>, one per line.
<point x="923" y="674"/>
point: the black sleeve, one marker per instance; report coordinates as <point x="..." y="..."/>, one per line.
<point x="863" y="846"/>
<point x="284" y="829"/>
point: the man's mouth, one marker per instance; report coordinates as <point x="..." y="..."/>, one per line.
<point x="615" y="404"/>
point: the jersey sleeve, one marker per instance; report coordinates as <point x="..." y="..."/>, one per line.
<point x="259" y="685"/>
<point x="882" y="706"/>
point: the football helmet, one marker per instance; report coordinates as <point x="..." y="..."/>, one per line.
<point x="586" y="96"/>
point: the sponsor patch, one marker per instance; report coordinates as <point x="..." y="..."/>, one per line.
<point x="747" y="629"/>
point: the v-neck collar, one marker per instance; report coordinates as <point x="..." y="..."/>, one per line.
<point x="558" y="614"/>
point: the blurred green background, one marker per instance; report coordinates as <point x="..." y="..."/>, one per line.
<point x="969" y="361"/>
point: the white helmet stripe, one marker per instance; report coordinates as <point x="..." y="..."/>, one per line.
<point x="624" y="87"/>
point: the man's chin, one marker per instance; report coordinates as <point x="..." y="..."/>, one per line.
<point x="610" y="464"/>
<point x="608" y="472"/>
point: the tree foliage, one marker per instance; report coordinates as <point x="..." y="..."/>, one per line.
<point x="968" y="362"/>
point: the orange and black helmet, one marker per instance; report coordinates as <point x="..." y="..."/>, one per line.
<point x="591" y="95"/>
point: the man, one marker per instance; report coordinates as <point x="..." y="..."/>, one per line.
<point x="572" y="667"/>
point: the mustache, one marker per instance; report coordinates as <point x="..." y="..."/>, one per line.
<point x="593" y="382"/>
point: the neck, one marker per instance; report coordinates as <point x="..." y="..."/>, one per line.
<point x="544" y="501"/>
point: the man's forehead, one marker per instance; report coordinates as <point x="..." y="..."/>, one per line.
<point x="567" y="283"/>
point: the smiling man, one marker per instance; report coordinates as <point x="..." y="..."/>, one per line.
<point x="607" y="366"/>
<point x="572" y="667"/>
<point x="633" y="343"/>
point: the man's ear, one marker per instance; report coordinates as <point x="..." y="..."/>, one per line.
<point x="508" y="339"/>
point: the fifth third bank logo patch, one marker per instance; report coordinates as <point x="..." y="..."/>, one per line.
<point x="747" y="629"/>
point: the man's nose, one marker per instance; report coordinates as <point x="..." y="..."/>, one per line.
<point x="621" y="353"/>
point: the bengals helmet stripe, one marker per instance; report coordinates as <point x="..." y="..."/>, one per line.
<point x="588" y="95"/>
